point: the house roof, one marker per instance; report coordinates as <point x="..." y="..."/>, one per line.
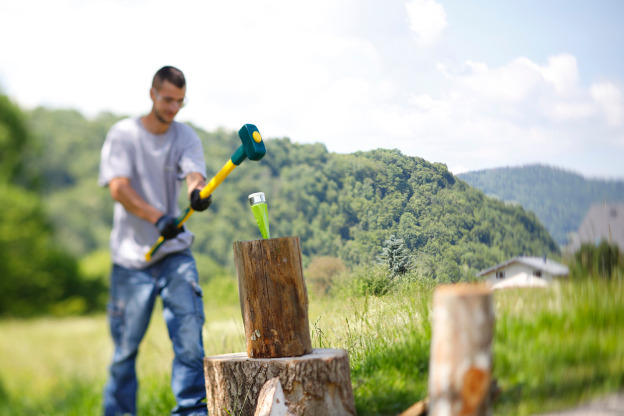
<point x="537" y="263"/>
<point x="602" y="222"/>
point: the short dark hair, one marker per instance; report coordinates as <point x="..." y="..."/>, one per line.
<point x="171" y="74"/>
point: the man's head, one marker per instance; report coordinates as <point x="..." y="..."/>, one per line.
<point x="168" y="93"/>
<point x="170" y="74"/>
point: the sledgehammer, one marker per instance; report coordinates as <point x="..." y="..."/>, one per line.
<point x="252" y="149"/>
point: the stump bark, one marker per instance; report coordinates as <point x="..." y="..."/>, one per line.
<point x="313" y="384"/>
<point x="273" y="297"/>
<point x="460" y="366"/>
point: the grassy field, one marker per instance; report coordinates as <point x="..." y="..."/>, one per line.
<point x="553" y="348"/>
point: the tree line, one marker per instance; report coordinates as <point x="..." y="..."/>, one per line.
<point x="37" y="274"/>
<point x="342" y="206"/>
<point x="559" y="198"/>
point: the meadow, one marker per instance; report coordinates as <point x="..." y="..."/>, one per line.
<point x="553" y="348"/>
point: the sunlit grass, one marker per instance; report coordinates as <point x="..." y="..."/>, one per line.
<point x="388" y="342"/>
<point x="560" y="346"/>
<point x="553" y="348"/>
<point x="53" y="366"/>
<point x="46" y="361"/>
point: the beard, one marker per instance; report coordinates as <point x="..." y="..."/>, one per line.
<point x="160" y="117"/>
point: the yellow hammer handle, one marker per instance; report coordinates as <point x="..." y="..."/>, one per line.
<point x="218" y="178"/>
<point x="158" y="243"/>
<point x="204" y="193"/>
<point x="209" y="188"/>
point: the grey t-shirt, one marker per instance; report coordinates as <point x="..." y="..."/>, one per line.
<point x="156" y="165"/>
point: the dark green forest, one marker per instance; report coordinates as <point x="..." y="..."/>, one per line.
<point x="56" y="220"/>
<point x="558" y="197"/>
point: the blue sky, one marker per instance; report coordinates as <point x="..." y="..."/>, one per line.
<point x="497" y="32"/>
<point x="474" y="85"/>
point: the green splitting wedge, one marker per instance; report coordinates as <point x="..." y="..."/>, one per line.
<point x="260" y="212"/>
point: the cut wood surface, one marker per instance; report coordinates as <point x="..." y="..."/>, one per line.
<point x="271" y="400"/>
<point x="273" y="297"/>
<point x="313" y="384"/>
<point x="460" y="366"/>
<point x="417" y="409"/>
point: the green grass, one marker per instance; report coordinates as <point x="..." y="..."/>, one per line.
<point x="553" y="348"/>
<point x="57" y="366"/>
<point x="558" y="347"/>
<point x="388" y="341"/>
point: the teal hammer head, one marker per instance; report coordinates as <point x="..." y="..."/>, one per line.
<point x="252" y="147"/>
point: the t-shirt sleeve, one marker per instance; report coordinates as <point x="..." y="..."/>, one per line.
<point x="192" y="159"/>
<point x="115" y="159"/>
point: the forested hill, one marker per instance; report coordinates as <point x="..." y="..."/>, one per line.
<point x="341" y="205"/>
<point x="558" y="197"/>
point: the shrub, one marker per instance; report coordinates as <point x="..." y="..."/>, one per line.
<point x="603" y="260"/>
<point x="321" y="273"/>
<point x="364" y="280"/>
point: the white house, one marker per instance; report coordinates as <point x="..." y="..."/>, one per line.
<point x="524" y="271"/>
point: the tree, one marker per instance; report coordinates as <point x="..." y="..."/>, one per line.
<point x="15" y="141"/>
<point x="395" y="256"/>
<point x="38" y="276"/>
<point x="603" y="260"/>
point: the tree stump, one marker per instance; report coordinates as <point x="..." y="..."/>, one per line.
<point x="460" y="366"/>
<point x="313" y="384"/>
<point x="273" y="297"/>
<point x="274" y="305"/>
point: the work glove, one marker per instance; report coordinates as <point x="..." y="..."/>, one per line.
<point x="168" y="227"/>
<point x="198" y="203"/>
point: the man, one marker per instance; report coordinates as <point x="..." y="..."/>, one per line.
<point x="143" y="162"/>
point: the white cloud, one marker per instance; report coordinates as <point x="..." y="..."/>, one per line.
<point x="513" y="82"/>
<point x="519" y="112"/>
<point x="344" y="72"/>
<point x="562" y="72"/>
<point x="525" y="91"/>
<point x="427" y="20"/>
<point x="610" y="98"/>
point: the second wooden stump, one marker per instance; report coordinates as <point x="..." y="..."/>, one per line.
<point x="460" y="365"/>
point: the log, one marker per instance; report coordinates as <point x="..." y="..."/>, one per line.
<point x="460" y="366"/>
<point x="417" y="409"/>
<point x="313" y="384"/>
<point x="273" y="297"/>
<point x="271" y="400"/>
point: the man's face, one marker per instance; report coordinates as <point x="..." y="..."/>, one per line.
<point x="168" y="100"/>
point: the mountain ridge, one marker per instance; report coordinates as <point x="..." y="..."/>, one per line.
<point x="559" y="197"/>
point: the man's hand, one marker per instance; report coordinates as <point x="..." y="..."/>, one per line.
<point x="168" y="227"/>
<point x="198" y="203"/>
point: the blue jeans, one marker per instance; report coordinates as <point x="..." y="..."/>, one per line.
<point x="132" y="297"/>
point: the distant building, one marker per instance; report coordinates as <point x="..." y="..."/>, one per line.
<point x="603" y="222"/>
<point x="524" y="271"/>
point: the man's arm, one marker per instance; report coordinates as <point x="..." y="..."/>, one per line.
<point x="195" y="180"/>
<point x="122" y="191"/>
